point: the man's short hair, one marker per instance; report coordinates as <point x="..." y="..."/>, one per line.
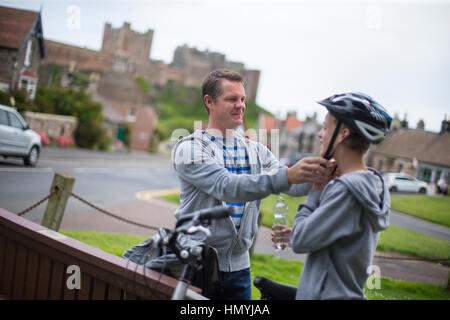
<point x="212" y="83"/>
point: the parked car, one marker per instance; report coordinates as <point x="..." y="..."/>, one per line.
<point x="404" y="183"/>
<point x="16" y="137"/>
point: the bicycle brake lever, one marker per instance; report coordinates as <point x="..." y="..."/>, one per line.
<point x="194" y="229"/>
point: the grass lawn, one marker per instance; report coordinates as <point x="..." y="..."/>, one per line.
<point x="288" y="271"/>
<point x="115" y="243"/>
<point x="402" y="240"/>
<point x="278" y="269"/>
<point x="431" y="208"/>
<point x="392" y="239"/>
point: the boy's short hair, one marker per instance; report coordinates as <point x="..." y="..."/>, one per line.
<point x="354" y="142"/>
<point x="212" y="83"/>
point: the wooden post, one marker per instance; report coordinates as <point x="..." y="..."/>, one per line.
<point x="57" y="203"/>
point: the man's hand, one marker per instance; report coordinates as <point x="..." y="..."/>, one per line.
<point x="333" y="172"/>
<point x="281" y="234"/>
<point x="308" y="170"/>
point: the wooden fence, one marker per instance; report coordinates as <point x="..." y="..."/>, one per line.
<point x="34" y="263"/>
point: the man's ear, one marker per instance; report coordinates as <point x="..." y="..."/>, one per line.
<point x="207" y="99"/>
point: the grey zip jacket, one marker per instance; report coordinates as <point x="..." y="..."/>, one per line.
<point x="205" y="183"/>
<point x="339" y="229"/>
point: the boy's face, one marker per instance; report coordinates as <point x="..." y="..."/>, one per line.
<point x="325" y="134"/>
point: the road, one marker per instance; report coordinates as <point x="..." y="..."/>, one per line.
<point x="102" y="178"/>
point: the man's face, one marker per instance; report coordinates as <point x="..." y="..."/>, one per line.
<point x="227" y="111"/>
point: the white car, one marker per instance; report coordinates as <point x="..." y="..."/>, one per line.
<point x="404" y="183"/>
<point x="16" y="137"/>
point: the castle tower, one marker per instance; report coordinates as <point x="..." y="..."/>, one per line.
<point x="126" y="42"/>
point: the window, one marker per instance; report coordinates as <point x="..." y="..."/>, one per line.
<point x="4" y="118"/>
<point x="380" y="164"/>
<point x="29" y="84"/>
<point x="131" y="117"/>
<point x="15" y="122"/>
<point x="29" y="53"/>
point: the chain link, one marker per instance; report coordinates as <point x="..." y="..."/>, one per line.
<point x="111" y="214"/>
<point x="53" y="192"/>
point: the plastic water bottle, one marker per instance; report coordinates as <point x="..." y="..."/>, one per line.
<point x="280" y="218"/>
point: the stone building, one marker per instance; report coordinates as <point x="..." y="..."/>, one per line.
<point x="21" y="49"/>
<point x="423" y="154"/>
<point x="124" y="41"/>
<point x="197" y="64"/>
<point x="298" y="138"/>
<point x="123" y="102"/>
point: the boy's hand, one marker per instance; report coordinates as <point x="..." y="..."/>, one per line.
<point x="281" y="234"/>
<point x="332" y="172"/>
<point x="307" y="170"/>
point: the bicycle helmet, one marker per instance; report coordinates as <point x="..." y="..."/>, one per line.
<point x="368" y="119"/>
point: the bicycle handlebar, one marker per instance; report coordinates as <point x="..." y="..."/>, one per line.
<point x="218" y="212"/>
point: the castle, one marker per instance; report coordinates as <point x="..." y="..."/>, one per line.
<point x="112" y="72"/>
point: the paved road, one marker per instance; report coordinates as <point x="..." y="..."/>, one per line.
<point x="420" y="225"/>
<point x="106" y="179"/>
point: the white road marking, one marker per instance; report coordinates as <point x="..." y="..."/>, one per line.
<point x="111" y="170"/>
<point x="28" y="170"/>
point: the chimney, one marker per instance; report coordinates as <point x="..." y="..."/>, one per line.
<point x="404" y="123"/>
<point x="420" y="125"/>
<point x="445" y="126"/>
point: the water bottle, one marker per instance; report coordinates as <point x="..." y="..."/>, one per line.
<point x="280" y="218"/>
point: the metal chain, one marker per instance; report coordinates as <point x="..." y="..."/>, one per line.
<point x="113" y="215"/>
<point x="53" y="192"/>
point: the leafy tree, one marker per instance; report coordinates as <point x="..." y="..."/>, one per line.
<point x="143" y="84"/>
<point x="67" y="101"/>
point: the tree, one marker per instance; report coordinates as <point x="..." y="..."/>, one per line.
<point x="67" y="101"/>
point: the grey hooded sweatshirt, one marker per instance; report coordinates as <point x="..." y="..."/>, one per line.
<point x="198" y="160"/>
<point x="339" y="229"/>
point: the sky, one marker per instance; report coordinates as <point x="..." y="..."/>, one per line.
<point x="396" y="51"/>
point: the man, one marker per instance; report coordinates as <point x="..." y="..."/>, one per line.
<point x="218" y="166"/>
<point x="339" y="223"/>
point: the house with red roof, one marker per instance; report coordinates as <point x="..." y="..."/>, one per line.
<point x="21" y="49"/>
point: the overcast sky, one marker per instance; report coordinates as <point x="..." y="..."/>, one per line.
<point x="396" y="51"/>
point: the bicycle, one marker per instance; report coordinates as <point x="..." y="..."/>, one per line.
<point x="191" y="254"/>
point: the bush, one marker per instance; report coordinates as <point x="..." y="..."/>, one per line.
<point x="67" y="101"/>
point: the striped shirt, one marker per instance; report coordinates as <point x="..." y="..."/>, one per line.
<point x="236" y="161"/>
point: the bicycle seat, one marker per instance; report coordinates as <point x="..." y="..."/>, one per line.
<point x="272" y="290"/>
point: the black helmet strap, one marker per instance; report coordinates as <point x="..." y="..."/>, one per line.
<point x="328" y="153"/>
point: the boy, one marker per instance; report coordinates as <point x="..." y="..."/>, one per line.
<point x="339" y="223"/>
